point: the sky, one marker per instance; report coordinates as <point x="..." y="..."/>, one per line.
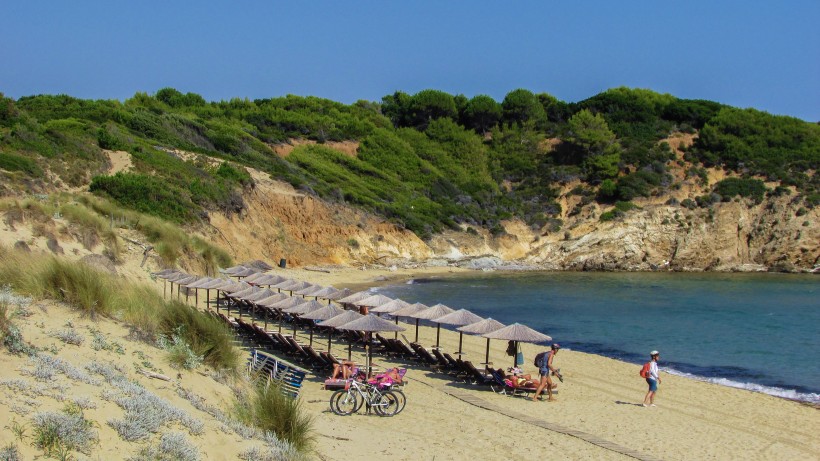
<point x="760" y="54"/>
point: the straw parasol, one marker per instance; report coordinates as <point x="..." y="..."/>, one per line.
<point x="232" y="270"/>
<point x="199" y="284"/>
<point x="373" y="301"/>
<point x="459" y="318"/>
<point x="184" y="283"/>
<point x="303" y="308"/>
<point x="409" y="311"/>
<point x="326" y="293"/>
<point x="337" y="321"/>
<point x="487" y="325"/>
<point x="358" y="296"/>
<point x="518" y="333"/>
<point x="434" y="312"/>
<point x="286" y="303"/>
<point x="390" y="307"/>
<point x="294" y="285"/>
<point x="165" y="274"/>
<point x="268" y="303"/>
<point x="322" y="313"/>
<point x="309" y="290"/>
<point x="343" y="293"/>
<point x="255" y="276"/>
<point x="247" y="271"/>
<point x="269" y="279"/>
<point x="370" y="323"/>
<point x="261" y="293"/>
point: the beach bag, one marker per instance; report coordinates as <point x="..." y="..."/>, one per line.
<point x="511" y="348"/>
<point x="539" y="359"/>
<point x="645" y="370"/>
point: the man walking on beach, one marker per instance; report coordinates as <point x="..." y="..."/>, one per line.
<point x="653" y="379"/>
<point x="545" y="369"/>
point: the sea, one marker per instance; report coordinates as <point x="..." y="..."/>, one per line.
<point x="759" y="332"/>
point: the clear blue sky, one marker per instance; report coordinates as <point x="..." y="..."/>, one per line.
<point x="761" y="54"/>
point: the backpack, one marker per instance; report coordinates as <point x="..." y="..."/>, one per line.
<point x="645" y="370"/>
<point x="511" y="348"/>
<point x="539" y="359"/>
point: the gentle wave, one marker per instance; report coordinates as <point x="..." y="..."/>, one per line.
<point x="770" y="390"/>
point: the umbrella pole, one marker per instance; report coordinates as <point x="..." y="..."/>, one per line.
<point x="164" y="286"/>
<point x="350" y="350"/>
<point x="196" y="298"/>
<point x="417" y="330"/>
<point x="396" y="333"/>
<point x="208" y="298"/>
<point x="311" y="335"/>
<point x="329" y="338"/>
<point x="267" y="314"/>
<point x="487" y="354"/>
<point x="438" y="333"/>
<point x="460" y="338"/>
<point x="369" y="346"/>
<point x="515" y="355"/>
<point x="217" y="301"/>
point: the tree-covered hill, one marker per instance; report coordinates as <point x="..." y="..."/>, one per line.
<point x="425" y="161"/>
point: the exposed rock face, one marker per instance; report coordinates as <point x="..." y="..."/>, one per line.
<point x="734" y="236"/>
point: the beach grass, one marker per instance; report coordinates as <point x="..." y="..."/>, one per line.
<point x="100" y="294"/>
<point x="272" y="411"/>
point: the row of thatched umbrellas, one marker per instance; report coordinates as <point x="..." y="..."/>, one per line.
<point x="263" y="290"/>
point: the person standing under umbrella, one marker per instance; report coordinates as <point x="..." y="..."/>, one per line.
<point x="545" y="368"/>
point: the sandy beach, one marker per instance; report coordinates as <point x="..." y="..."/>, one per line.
<point x="597" y="414"/>
<point x="600" y="397"/>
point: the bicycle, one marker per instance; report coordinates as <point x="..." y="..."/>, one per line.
<point x="384" y="400"/>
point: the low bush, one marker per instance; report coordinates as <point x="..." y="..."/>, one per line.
<point x="732" y="187"/>
<point x="14" y="162"/>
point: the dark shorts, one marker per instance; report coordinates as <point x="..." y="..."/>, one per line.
<point x="544" y="372"/>
<point x="653" y="385"/>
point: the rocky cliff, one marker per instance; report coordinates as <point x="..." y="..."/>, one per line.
<point x="730" y="236"/>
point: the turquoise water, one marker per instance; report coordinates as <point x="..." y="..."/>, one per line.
<point x="755" y="331"/>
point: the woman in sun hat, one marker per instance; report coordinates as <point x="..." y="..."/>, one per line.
<point x="652" y="379"/>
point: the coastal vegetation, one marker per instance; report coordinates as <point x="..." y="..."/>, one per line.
<point x="426" y="161"/>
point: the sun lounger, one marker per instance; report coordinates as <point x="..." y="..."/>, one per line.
<point x="272" y="370"/>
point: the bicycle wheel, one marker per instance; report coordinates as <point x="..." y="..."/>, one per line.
<point x="401" y="398"/>
<point x="388" y="404"/>
<point x="343" y="403"/>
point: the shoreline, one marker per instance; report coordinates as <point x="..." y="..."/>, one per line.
<point x="374" y="278"/>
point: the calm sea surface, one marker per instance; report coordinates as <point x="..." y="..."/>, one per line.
<point x="755" y="331"/>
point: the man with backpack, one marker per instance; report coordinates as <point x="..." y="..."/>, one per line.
<point x="544" y="363"/>
<point x="650" y="372"/>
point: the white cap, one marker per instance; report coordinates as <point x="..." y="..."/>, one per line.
<point x="654" y="353"/>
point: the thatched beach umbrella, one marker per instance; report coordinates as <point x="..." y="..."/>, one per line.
<point x="434" y="312"/>
<point x="373" y="301"/>
<point x="309" y="290"/>
<point x="326" y="293"/>
<point x="337" y="321"/>
<point x="261" y="293"/>
<point x="172" y="279"/>
<point x="254" y="277"/>
<point x="184" y="283"/>
<point x="200" y="284"/>
<point x="358" y="296"/>
<point x="409" y="311"/>
<point x="485" y="326"/>
<point x="519" y="334"/>
<point x="268" y="303"/>
<point x="286" y="303"/>
<point x="232" y="270"/>
<point x="268" y="280"/>
<point x="164" y="275"/>
<point x="247" y="271"/>
<point x="459" y="318"/>
<point x="294" y="285"/>
<point x="303" y="308"/>
<point x="343" y="293"/>
<point x="322" y="313"/>
<point x="389" y="308"/>
<point x="370" y="323"/>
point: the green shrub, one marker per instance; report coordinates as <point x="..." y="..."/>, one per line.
<point x="610" y="215"/>
<point x="146" y="194"/>
<point x="732" y="187"/>
<point x="14" y="162"/>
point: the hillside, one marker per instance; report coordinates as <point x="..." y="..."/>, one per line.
<point x="625" y="180"/>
